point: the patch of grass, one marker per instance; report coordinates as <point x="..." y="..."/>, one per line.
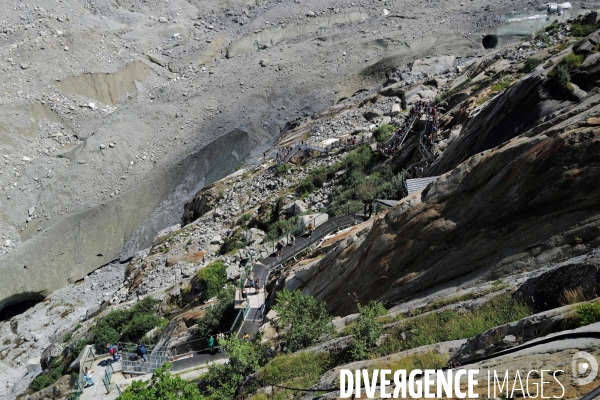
<point x="530" y="64"/>
<point x="500" y="86"/>
<point x="573" y="296"/>
<point x="282" y="169"/>
<point x="562" y="71"/>
<point x="214" y="276"/>
<point x="68" y="337"/>
<point x="588" y="313"/>
<point x="300" y="370"/>
<point x="243" y="219"/>
<point x="451" y="325"/>
<point x="581" y="30"/>
<point x="552" y="28"/>
<point x="383" y="132"/>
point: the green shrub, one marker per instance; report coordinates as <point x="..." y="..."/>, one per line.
<point x="552" y="28"/>
<point x="581" y="30"/>
<point x="163" y="385"/>
<point x="588" y="313"/>
<point x="500" y="86"/>
<point x="563" y="76"/>
<point x="243" y="219"/>
<point x="233" y="243"/>
<point x="280" y="228"/>
<point x="68" y="337"/>
<point x="383" y="132"/>
<point x="531" y="63"/>
<point x="225" y="379"/>
<point x="214" y="276"/>
<point x="562" y="71"/>
<point x="305" y="317"/>
<point x="41" y="382"/>
<point x="366" y="330"/>
<point x="214" y="316"/>
<point x="126" y="325"/>
<point x="46" y="379"/>
<point x="296" y="370"/>
<point x="282" y="169"/>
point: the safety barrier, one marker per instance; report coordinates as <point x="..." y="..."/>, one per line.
<point x="132" y="365"/>
<point x="108" y="373"/>
<point x="86" y="360"/>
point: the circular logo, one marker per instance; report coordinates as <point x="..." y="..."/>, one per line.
<point x="581" y="364"/>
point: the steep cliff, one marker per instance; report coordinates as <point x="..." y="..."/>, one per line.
<point x="522" y="190"/>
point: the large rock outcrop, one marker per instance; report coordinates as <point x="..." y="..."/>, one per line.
<point x="530" y="201"/>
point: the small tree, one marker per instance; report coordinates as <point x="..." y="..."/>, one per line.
<point x="306" y="318"/>
<point x="225" y="379"/>
<point x="210" y="321"/>
<point x="366" y="330"/>
<point x="162" y="386"/>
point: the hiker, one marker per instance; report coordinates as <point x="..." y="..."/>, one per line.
<point x="246" y="337"/>
<point x="251" y="278"/>
<point x="257" y="286"/>
<point x="141" y="351"/>
<point x="88" y="376"/>
<point x="211" y="344"/>
<point x="310" y="228"/>
<point x="292" y="240"/>
<point x="113" y="351"/>
<point x="279" y="248"/>
<point x="370" y="209"/>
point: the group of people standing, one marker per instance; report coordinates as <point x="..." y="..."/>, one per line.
<point x="415" y="112"/>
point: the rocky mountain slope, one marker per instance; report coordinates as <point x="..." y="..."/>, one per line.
<point x="517" y="192"/>
<point x="112" y="109"/>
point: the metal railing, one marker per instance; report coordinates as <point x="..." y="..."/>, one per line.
<point x="239" y="321"/>
<point x="191" y="346"/>
<point x="108" y="373"/>
<point x="132" y="365"/>
<point x="87" y="360"/>
<point x="416" y="169"/>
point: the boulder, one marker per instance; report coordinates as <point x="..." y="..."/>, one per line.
<point x="50" y="352"/>
<point x="395" y="110"/>
<point x="216" y="240"/>
<point x="233" y="272"/>
<point x="432" y="65"/>
<point x="297" y="207"/>
<point x="372" y="114"/>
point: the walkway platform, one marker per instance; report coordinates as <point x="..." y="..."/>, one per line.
<point x="98" y="391"/>
<point x="414" y="185"/>
<point x="203" y="357"/>
<point x="261" y="268"/>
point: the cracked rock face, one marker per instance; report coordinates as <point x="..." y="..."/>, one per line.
<point x="528" y="202"/>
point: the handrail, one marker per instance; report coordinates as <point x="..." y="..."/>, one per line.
<point x="87" y="360"/>
<point x="108" y="373"/>
<point x="427" y="155"/>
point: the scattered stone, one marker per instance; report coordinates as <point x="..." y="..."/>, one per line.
<point x="92" y="106"/>
<point x="24" y="66"/>
<point x="102" y="147"/>
<point x="264" y="63"/>
<point x="25" y="158"/>
<point x="111" y="145"/>
<point x="372" y="114"/>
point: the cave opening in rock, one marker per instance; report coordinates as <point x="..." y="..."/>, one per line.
<point x="489" y="41"/>
<point x="18" y="307"/>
